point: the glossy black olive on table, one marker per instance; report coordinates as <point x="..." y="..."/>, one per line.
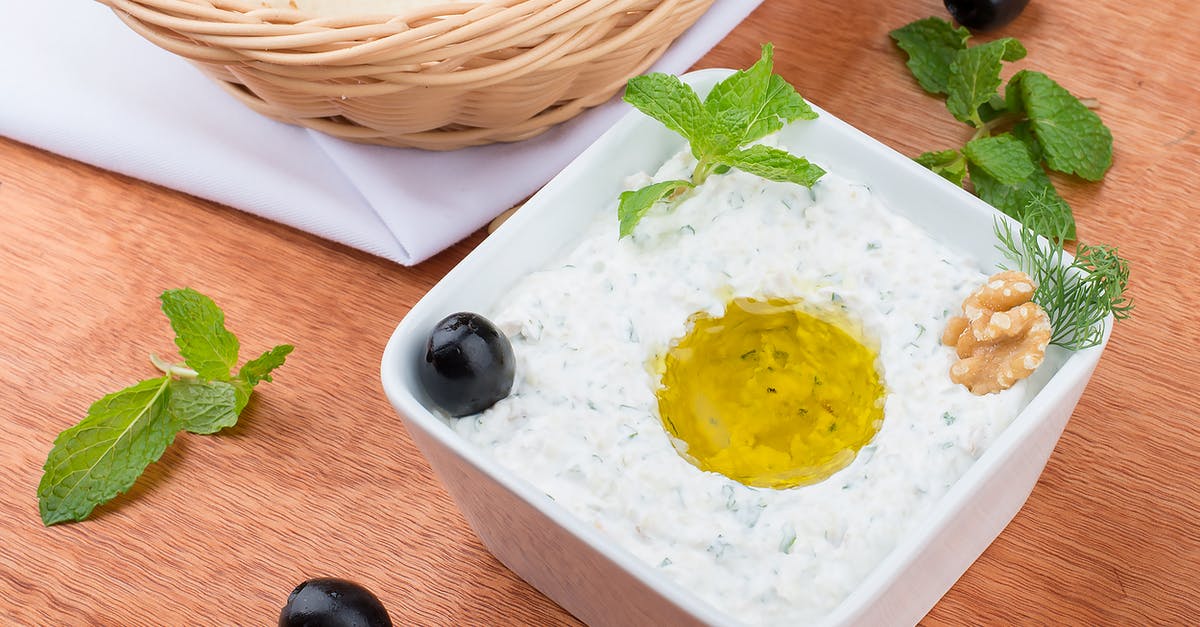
<point x="468" y="364"/>
<point x="985" y="14"/>
<point x="329" y="602"/>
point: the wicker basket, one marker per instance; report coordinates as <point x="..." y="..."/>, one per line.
<point x="441" y="77"/>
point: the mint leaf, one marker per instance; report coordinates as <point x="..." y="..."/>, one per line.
<point x="241" y="391"/>
<point x="785" y="102"/>
<point x="635" y="203"/>
<point x="124" y="432"/>
<point x="669" y="100"/>
<point x="751" y="104"/>
<point x="774" y="164"/>
<point x="995" y="107"/>
<point x="1009" y="199"/>
<point x="734" y="103"/>
<point x="1047" y="125"/>
<point x="1014" y="199"/>
<point x="256" y="370"/>
<point x="203" y="407"/>
<point x="104" y="454"/>
<point x="948" y="164"/>
<point x="743" y="107"/>
<point x="206" y="346"/>
<point x="1004" y="157"/>
<point x="1014" y="100"/>
<point x="1073" y="137"/>
<point x="1023" y="131"/>
<point x="931" y="45"/>
<point x="259" y="369"/>
<point x="975" y="77"/>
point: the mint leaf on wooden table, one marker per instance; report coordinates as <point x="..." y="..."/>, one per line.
<point x="257" y="370"/>
<point x="931" y="44"/>
<point x="105" y="453"/>
<point x="1033" y="125"/>
<point x="1073" y="137"/>
<point x="975" y="77"/>
<point x="203" y="407"/>
<point x="1003" y="157"/>
<point x="995" y="107"/>
<point x="948" y="164"/>
<point x="743" y="108"/>
<point x="1015" y="200"/>
<point x="206" y="345"/>
<point x="1036" y="124"/>
<point x="1023" y="131"/>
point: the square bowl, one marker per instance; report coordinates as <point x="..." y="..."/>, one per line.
<point x="586" y="572"/>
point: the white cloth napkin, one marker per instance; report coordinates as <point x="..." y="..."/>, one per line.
<point x="76" y="81"/>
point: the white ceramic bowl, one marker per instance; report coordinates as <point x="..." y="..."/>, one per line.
<point x="587" y="573"/>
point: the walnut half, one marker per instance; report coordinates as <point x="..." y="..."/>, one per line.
<point x="1001" y="337"/>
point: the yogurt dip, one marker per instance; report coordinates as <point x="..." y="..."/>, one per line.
<point x="582" y="422"/>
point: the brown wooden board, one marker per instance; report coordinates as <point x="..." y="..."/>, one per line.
<point x="319" y="478"/>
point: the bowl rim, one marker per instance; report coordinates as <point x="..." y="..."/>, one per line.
<point x="1072" y="373"/>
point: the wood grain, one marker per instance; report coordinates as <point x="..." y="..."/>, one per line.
<point x="319" y="478"/>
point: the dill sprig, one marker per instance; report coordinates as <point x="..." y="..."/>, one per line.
<point x="1077" y="296"/>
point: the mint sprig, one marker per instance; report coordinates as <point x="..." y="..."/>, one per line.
<point x="635" y="203"/>
<point x="1071" y="136"/>
<point x="741" y="109"/>
<point x="206" y="345"/>
<point x="1003" y="157"/>
<point x="948" y="164"/>
<point x="931" y="45"/>
<point x="203" y="407"/>
<point x="1019" y="199"/>
<point x="124" y="432"/>
<point x="974" y="77"/>
<point x="1033" y="126"/>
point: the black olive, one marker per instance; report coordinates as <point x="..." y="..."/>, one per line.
<point x="328" y="602"/>
<point x="985" y="14"/>
<point x="468" y="364"/>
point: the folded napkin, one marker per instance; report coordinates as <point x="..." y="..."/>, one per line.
<point x="78" y="82"/>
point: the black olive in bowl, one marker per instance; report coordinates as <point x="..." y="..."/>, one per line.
<point x="468" y="364"/>
<point x="329" y="602"/>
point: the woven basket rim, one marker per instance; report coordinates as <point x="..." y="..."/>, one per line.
<point x="298" y="16"/>
<point x="442" y="75"/>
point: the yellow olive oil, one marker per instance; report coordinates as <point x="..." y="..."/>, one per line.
<point x="769" y="394"/>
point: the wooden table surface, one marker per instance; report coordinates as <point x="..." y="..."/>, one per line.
<point x="319" y="478"/>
